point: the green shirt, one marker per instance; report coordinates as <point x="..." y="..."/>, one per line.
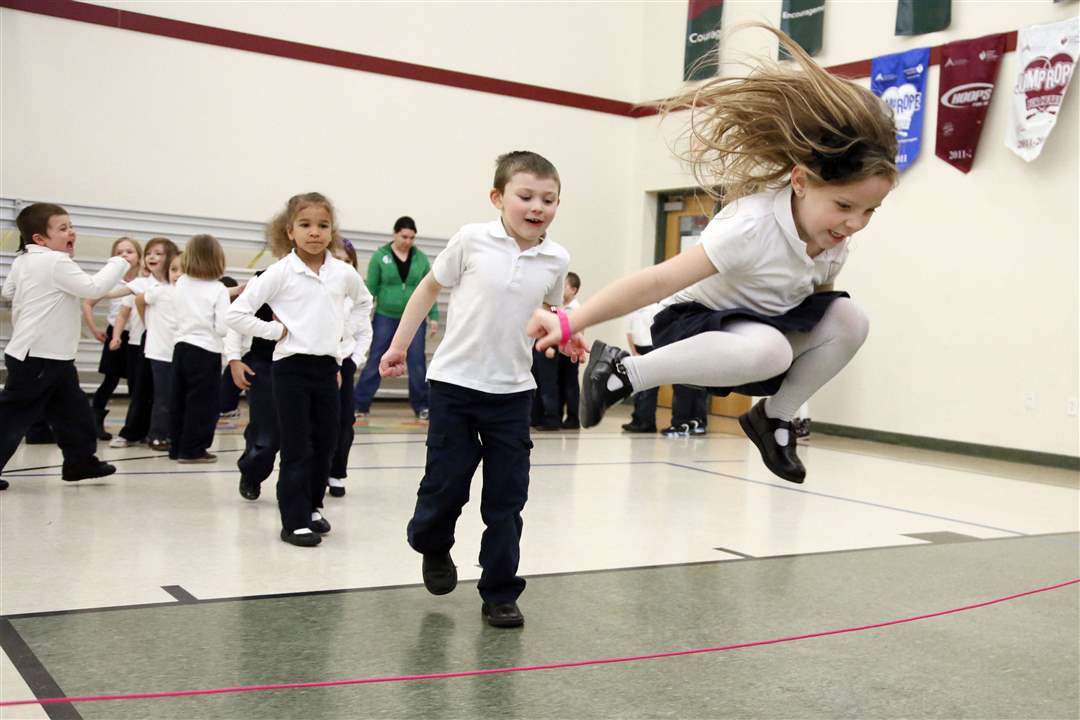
<point x="384" y="282"/>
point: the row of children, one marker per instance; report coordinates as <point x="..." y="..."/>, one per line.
<point x="558" y="388"/>
<point x="805" y="159"/>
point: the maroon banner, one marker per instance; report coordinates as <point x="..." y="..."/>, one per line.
<point x="968" y="70"/>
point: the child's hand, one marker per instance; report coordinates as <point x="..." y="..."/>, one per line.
<point x="392" y="363"/>
<point x="99" y="335"/>
<point x="114" y="344"/>
<point x="240" y="371"/>
<point x="545" y="326"/>
<point x="284" y="332"/>
<point x="577" y="349"/>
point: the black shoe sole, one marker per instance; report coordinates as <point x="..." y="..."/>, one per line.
<point x="744" y="423"/>
<point x="109" y="470"/>
<point x="336" y="491"/>
<point x="304" y="540"/>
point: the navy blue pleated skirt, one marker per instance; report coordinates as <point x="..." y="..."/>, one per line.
<point x="678" y="322"/>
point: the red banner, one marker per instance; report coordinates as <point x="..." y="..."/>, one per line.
<point x="968" y="70"/>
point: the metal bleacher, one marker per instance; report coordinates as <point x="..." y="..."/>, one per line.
<point x="242" y="241"/>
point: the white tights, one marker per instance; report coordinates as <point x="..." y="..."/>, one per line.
<point x="746" y="351"/>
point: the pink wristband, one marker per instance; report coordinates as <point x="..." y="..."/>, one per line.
<point x="564" y="325"/>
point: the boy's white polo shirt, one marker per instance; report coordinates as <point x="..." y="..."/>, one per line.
<point x="494" y="289"/>
<point x="760" y="260"/>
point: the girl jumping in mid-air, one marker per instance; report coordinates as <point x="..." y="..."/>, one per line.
<point x="804" y="159"/>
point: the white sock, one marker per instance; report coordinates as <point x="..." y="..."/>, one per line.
<point x="316" y="516"/>
<point x="337" y="482"/>
<point x="614" y="383"/>
<point x="302" y="531"/>
<point x="782" y="436"/>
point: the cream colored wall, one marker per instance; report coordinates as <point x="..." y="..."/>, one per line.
<point x="954" y="270"/>
<point x="971" y="281"/>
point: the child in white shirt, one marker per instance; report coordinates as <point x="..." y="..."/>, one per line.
<point x="159" y="303"/>
<point x="200" y="302"/>
<point x="45" y="287"/>
<point x="498" y="273"/>
<point x="306" y="290"/>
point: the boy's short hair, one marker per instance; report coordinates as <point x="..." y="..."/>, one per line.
<point x="518" y="161"/>
<point x="34" y="220"/>
<point x="573" y="280"/>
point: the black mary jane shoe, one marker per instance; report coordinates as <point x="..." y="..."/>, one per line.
<point x="320" y="526"/>
<point x="502" y="615"/>
<point x="301" y="539"/>
<point x="604" y="361"/>
<point x="780" y="459"/>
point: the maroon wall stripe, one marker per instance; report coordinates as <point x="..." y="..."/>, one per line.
<point x="207" y="35"/>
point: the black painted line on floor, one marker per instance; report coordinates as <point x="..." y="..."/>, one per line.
<point x="789" y="488"/>
<point x="181" y="595"/>
<point x="566" y="573"/>
<point x="729" y="551"/>
<point x="37" y="678"/>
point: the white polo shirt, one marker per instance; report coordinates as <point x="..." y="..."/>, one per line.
<point x="639" y="326"/>
<point x="356" y="338"/>
<point x="494" y="289"/>
<point x="135" y="327"/>
<point x="760" y="260"/>
<point x="161" y="322"/>
<point x="200" y="312"/>
<point x="311" y="305"/>
<point x="45" y="287"/>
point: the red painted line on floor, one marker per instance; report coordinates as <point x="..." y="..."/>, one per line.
<point x="526" y="668"/>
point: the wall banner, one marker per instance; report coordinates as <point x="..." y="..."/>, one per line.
<point x="804" y="21"/>
<point x="968" y="70"/>
<point x="900" y="80"/>
<point x="702" y="37"/>
<point x="915" y="17"/>
<point x="1046" y="56"/>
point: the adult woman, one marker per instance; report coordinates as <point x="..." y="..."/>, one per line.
<point x="392" y="276"/>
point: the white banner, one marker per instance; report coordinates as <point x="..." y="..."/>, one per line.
<point x="1046" y="56"/>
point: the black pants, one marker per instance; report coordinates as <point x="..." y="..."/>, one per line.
<point x="569" y="388"/>
<point x="261" y="438"/>
<point x="193" y="413"/>
<point x="230" y="394"/>
<point x="306" y="398"/>
<point x="113" y="367"/>
<point x="159" y="413"/>
<point x="340" y="460"/>
<point x="645" y="401"/>
<point x="141" y="395"/>
<point x="689" y="403"/>
<point x="467" y="426"/>
<point x="36" y="388"/>
<point x="545" y="403"/>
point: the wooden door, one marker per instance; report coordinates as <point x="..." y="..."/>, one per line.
<point x="684" y="218"/>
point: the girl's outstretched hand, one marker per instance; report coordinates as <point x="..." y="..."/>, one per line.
<point x="577" y="349"/>
<point x="545" y="326"/>
<point x="392" y="363"/>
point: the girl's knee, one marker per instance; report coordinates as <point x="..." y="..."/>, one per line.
<point x="849" y="322"/>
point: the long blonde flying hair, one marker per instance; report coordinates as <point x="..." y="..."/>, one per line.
<point x="746" y="134"/>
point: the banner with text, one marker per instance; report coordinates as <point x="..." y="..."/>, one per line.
<point x="968" y="70"/>
<point x="702" y="38"/>
<point x="900" y="80"/>
<point x="1046" y="56"/>
<point x="804" y="21"/>
<point x="915" y="17"/>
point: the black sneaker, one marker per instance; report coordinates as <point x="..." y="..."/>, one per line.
<point x="604" y="361"/>
<point x="301" y="539"/>
<point x="91" y="467"/>
<point x="631" y="427"/>
<point x="681" y="430"/>
<point x="697" y="427"/>
<point x="502" y="615"/>
<point x="780" y="459"/>
<point x="440" y="573"/>
<point x="250" y="489"/>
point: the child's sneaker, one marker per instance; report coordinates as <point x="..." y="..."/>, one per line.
<point x="424" y="414"/>
<point x="231" y="413"/>
<point x="682" y="430"/>
<point x="698" y="428"/>
<point x="120" y="442"/>
<point x="158" y="445"/>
